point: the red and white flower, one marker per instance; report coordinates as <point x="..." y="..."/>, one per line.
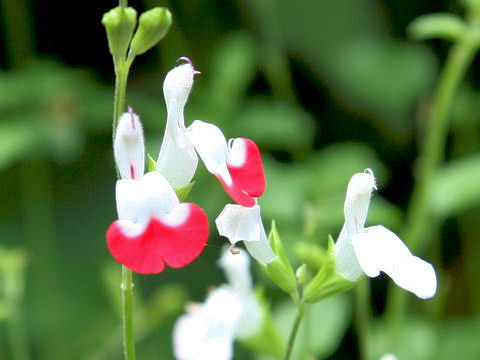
<point x="153" y="227"/>
<point x="236" y="163"/>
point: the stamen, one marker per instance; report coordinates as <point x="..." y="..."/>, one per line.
<point x="233" y="250"/>
<point x="184" y="58"/>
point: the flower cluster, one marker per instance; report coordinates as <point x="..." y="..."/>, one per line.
<point x="154" y="228"/>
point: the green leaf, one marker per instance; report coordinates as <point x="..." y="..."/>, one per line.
<point x="182" y="193"/>
<point x="456" y="187"/>
<point x="438" y="26"/>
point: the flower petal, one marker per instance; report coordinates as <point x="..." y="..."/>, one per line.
<point x="357" y="200"/>
<point x="139" y="200"/>
<point x="177" y="159"/>
<point x="208" y="334"/>
<point x="346" y="263"/>
<point x="211" y="146"/>
<point x="237" y="270"/>
<point x="176" y="239"/>
<point x="238" y="223"/>
<point x="245" y="166"/>
<point x="128" y="146"/>
<point x="379" y="249"/>
<point x="238" y="166"/>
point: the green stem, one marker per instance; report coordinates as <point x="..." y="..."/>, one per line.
<point x="123" y="3"/>
<point x="362" y="317"/>
<point x="121" y="75"/>
<point x="127" y="314"/>
<point x="294" y="332"/>
<point x="419" y="224"/>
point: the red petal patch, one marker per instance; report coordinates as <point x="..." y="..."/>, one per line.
<point x="160" y="243"/>
<point x="248" y="180"/>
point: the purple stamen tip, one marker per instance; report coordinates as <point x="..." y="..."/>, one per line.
<point x="186" y="59"/>
<point x="130" y="110"/>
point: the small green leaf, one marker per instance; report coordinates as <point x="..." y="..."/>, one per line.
<point x="151" y="163"/>
<point x="438" y="26"/>
<point x="301" y="274"/>
<point x="182" y="193"/>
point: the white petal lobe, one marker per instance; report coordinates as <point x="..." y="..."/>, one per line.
<point x="211" y="146"/>
<point x="128" y="146"/>
<point x="379" y="249"/>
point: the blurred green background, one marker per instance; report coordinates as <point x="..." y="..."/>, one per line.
<point x="326" y="88"/>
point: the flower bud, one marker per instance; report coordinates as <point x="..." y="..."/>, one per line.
<point x="119" y="23"/>
<point x="129" y="147"/>
<point x="153" y="25"/>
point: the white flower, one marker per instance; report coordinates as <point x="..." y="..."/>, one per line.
<point x="239" y="223"/>
<point x="374" y="249"/>
<point x="128" y="146"/>
<point x="208" y="330"/>
<point x="237" y="270"/>
<point x="208" y="333"/>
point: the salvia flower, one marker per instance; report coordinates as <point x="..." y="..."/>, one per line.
<point x="153" y="227"/>
<point x="374" y="249"/>
<point x="240" y="223"/>
<point x="236" y="163"/>
<point x="231" y="311"/>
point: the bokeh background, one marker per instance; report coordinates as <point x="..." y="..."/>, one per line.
<point x="326" y="88"/>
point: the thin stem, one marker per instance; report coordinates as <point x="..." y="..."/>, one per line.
<point x="127" y="314"/>
<point x="121" y="75"/>
<point x="419" y="224"/>
<point x="293" y="334"/>
<point x="362" y="317"/>
<point x="123" y="3"/>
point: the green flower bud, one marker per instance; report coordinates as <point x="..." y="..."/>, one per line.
<point x="153" y="25"/>
<point x="327" y="282"/>
<point x="119" y="23"/>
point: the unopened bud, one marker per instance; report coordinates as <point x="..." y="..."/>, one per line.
<point x="153" y="25"/>
<point x="119" y="23"/>
<point x="129" y="147"/>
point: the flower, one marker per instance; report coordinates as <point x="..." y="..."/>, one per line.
<point x="231" y="311"/>
<point x="236" y="163"/>
<point x="153" y="227"/>
<point x="239" y="223"/>
<point x="207" y="331"/>
<point x="375" y="248"/>
<point x="237" y="271"/>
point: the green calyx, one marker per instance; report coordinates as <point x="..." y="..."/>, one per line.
<point x="153" y="25"/>
<point x="327" y="282"/>
<point x="120" y="24"/>
<point x="279" y="271"/>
